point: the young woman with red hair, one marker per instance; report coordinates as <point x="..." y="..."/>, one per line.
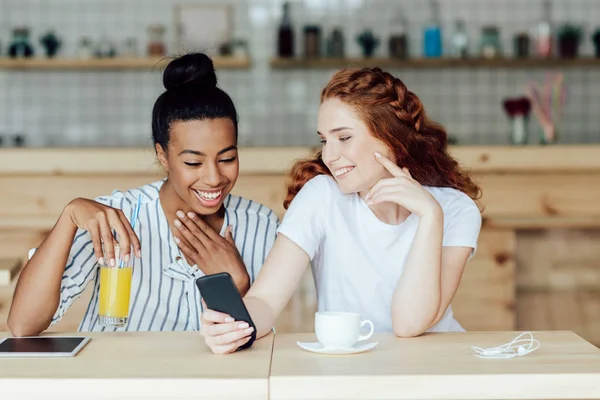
<point x="386" y="217"/>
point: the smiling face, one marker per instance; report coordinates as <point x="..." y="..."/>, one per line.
<point x="202" y="162"/>
<point x="349" y="148"/>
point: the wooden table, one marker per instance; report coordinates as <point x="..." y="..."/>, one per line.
<point x="438" y="366"/>
<point x="141" y="365"/>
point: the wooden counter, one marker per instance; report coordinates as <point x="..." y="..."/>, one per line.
<point x="266" y="160"/>
<point x="141" y="365"/>
<point x="177" y="365"/>
<point x="437" y="366"/>
<point x="555" y="185"/>
<point x="536" y="266"/>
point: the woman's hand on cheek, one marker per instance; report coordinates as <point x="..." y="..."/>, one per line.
<point x="401" y="189"/>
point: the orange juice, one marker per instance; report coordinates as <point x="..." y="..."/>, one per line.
<point x="115" y="290"/>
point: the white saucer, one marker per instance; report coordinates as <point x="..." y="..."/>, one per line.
<point x="317" y="347"/>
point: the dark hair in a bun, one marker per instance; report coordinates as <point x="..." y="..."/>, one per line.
<point x="191" y="94"/>
<point x="192" y="69"/>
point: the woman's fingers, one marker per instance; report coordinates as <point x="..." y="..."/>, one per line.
<point x="380" y="183"/>
<point x="94" y="231"/>
<point x="186" y="249"/>
<point x="107" y="239"/>
<point x="207" y="231"/>
<point x="386" y="193"/>
<point x="389" y="165"/>
<point x="122" y="234"/>
<point x="222" y="334"/>
<point x="216" y="316"/>
<point x="133" y="239"/>
<point x="215" y="330"/>
<point x="230" y="348"/>
<point x="229" y="235"/>
<point x="230" y="337"/>
<point x="193" y="238"/>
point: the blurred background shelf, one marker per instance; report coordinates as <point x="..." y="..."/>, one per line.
<point x="290" y="63"/>
<point x="118" y="63"/>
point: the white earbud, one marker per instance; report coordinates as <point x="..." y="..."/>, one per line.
<point x="519" y="346"/>
<point x="491" y="352"/>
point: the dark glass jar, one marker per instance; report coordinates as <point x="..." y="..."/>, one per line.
<point x="522" y="45"/>
<point x="312" y="41"/>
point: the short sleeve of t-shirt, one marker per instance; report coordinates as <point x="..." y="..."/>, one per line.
<point x="462" y="223"/>
<point x="302" y="222"/>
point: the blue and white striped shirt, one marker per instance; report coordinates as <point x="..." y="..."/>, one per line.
<point x="163" y="292"/>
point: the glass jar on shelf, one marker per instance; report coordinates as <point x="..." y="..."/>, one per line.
<point x="490" y="42"/>
<point x="398" y="40"/>
<point x="312" y="41"/>
<point x="460" y="40"/>
<point x="105" y="48"/>
<point x="85" y="49"/>
<point x="156" y="40"/>
<point x="130" y="48"/>
<point x="20" y="45"/>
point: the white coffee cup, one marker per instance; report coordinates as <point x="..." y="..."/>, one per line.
<point x="340" y="329"/>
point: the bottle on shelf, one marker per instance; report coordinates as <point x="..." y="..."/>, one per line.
<point x="521" y="45"/>
<point x="285" y="36"/>
<point x="543" y="33"/>
<point x="336" y="44"/>
<point x="398" y="41"/>
<point x="432" y="34"/>
<point x="460" y="40"/>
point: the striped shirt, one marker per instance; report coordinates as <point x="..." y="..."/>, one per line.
<point x="164" y="296"/>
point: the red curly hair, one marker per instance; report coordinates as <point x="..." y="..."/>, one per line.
<point x="396" y="116"/>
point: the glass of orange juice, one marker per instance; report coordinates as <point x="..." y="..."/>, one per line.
<point x="115" y="290"/>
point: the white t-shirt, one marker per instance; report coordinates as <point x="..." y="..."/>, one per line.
<point x="356" y="258"/>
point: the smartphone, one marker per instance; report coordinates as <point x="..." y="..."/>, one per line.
<point x="220" y="294"/>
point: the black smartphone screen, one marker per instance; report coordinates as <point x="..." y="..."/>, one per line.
<point x="220" y="294"/>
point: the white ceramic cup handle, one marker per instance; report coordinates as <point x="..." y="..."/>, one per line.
<point x="368" y="335"/>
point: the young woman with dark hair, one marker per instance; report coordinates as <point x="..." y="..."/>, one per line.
<point x="188" y="225"/>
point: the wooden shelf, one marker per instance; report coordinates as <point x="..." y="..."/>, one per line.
<point x="537" y="223"/>
<point x="323" y="63"/>
<point x="141" y="63"/>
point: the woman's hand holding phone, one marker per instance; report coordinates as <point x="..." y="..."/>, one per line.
<point x="222" y="333"/>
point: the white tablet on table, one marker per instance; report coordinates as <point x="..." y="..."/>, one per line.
<point x="42" y="346"/>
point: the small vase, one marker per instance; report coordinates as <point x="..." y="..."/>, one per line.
<point x="544" y="140"/>
<point x="20" y="46"/>
<point x="596" y="41"/>
<point x="519" y="130"/>
<point x="568" y="47"/>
